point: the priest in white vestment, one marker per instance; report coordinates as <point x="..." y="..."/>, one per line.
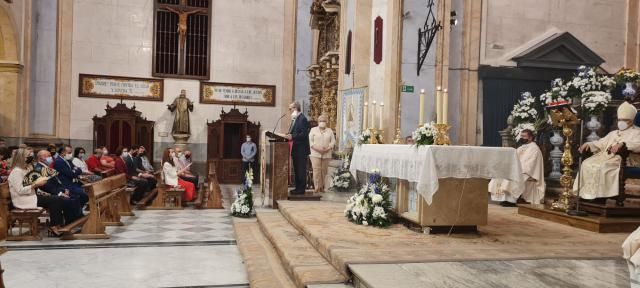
<point x="599" y="173"/>
<point x="532" y="165"/>
<point x="631" y="253"/>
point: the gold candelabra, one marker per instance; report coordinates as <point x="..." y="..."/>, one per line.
<point x="565" y="118"/>
<point x="442" y="134"/>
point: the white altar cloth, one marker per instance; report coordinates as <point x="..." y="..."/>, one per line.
<point x="426" y="164"/>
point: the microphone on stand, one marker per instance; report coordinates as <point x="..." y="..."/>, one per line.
<point x="277" y="122"/>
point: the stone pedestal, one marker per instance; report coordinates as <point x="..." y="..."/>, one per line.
<point x="181" y="140"/>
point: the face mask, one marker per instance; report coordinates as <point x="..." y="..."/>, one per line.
<point x="105" y="152"/>
<point x="81" y="156"/>
<point x="29" y="159"/>
<point x="523" y="141"/>
<point x="622" y="125"/>
<point x="68" y="157"/>
<point x="248" y="139"/>
<point x="125" y="154"/>
<point x="322" y="124"/>
<point x="49" y="160"/>
<point x="294" y="113"/>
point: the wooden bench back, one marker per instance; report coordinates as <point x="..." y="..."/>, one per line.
<point x="100" y="189"/>
<point x="119" y="181"/>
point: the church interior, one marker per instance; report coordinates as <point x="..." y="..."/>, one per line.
<point x="319" y="143"/>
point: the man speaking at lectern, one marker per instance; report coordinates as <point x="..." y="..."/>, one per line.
<point x="300" y="150"/>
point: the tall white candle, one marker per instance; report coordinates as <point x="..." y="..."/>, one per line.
<point x="445" y="107"/>
<point x="439" y="105"/>
<point x="380" y="118"/>
<point x="421" y="118"/>
<point x="366" y="115"/>
<point x="373" y="115"/>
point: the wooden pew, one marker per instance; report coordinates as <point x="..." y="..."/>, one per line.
<point x="101" y="206"/>
<point x="119" y="186"/>
<point x="147" y="199"/>
<point x="167" y="198"/>
<point x="210" y="197"/>
<point x="17" y="218"/>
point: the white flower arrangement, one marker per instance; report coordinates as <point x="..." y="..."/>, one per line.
<point x="525" y="110"/>
<point x="557" y="93"/>
<point x="371" y="204"/>
<point x="595" y="102"/>
<point x="365" y="136"/>
<point x="587" y="80"/>
<point x="425" y="134"/>
<point x="341" y="180"/>
<point x="243" y="205"/>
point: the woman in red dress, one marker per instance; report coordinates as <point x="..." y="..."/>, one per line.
<point x="171" y="176"/>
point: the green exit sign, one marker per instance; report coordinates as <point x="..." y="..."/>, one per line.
<point x="407" y="88"/>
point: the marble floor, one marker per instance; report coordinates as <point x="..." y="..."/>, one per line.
<point x="497" y="274"/>
<point x="179" y="248"/>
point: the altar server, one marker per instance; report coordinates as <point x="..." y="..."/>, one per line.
<point x="532" y="165"/>
<point x="599" y="173"/>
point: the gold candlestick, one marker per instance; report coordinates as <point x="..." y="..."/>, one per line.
<point x="442" y="135"/>
<point x="566" y="180"/>
<point x="398" y="137"/>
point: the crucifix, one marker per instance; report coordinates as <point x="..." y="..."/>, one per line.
<point x="183" y="12"/>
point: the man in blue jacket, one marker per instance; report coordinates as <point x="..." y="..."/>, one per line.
<point x="69" y="175"/>
<point x="300" y="150"/>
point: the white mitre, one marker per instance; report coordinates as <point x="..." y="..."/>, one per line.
<point x="627" y="111"/>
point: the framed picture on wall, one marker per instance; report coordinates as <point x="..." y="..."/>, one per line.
<point x="118" y="87"/>
<point x="238" y="94"/>
<point x="352" y="117"/>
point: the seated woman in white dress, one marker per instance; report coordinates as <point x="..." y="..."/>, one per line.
<point x="172" y="175"/>
<point x="26" y="196"/>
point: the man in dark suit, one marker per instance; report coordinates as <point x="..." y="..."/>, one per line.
<point x="300" y="150"/>
<point x="69" y="175"/>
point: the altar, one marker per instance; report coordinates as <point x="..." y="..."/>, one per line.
<point x="439" y="186"/>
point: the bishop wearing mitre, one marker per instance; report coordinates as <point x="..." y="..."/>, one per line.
<point x="532" y="164"/>
<point x="599" y="173"/>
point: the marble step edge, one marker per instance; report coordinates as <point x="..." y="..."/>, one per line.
<point x="306" y="266"/>
<point x="313" y="241"/>
<point x="262" y="262"/>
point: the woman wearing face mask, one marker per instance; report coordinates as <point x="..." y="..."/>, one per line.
<point x="321" y="141"/>
<point x="79" y="160"/>
<point x="172" y="176"/>
<point x="24" y="195"/>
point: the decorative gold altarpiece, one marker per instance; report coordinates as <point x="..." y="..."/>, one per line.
<point x="325" y="17"/>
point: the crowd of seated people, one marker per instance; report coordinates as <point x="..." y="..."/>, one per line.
<point x="173" y="175"/>
<point x="124" y="163"/>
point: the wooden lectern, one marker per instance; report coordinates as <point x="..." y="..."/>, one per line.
<point x="277" y="168"/>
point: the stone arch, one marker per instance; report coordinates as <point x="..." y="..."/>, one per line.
<point x="8" y="43"/>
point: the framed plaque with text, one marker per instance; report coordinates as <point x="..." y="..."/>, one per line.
<point x="117" y="87"/>
<point x="239" y="94"/>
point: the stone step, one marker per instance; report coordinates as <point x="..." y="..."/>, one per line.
<point x="260" y="258"/>
<point x="299" y="258"/>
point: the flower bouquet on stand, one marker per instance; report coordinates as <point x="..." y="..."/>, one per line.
<point x="425" y="134"/>
<point x="370" y="205"/>
<point x="628" y="78"/>
<point x="243" y="205"/>
<point x="341" y="180"/>
<point x="524" y="113"/>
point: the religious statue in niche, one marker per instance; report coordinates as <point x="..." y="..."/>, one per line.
<point x="181" y="106"/>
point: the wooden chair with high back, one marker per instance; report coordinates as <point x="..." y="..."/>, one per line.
<point x="18" y="219"/>
<point x="211" y="196"/>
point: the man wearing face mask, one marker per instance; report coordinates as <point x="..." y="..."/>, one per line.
<point x="299" y="135"/>
<point x="321" y="141"/>
<point x="69" y="175"/>
<point x="532" y="164"/>
<point x="248" y="151"/>
<point x="599" y="173"/>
